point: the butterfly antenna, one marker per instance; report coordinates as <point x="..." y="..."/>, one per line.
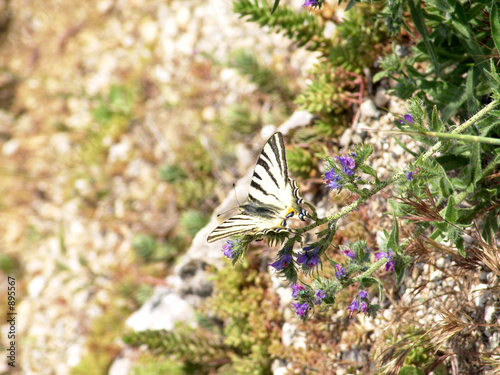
<point x="236" y="195"/>
<point x="225" y="212"/>
<point x="239" y="205"/>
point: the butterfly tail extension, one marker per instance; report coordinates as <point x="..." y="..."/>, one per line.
<point x="302" y="214"/>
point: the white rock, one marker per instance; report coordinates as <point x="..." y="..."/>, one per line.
<point x="381" y="97"/>
<point x="36" y="286"/>
<point x="267" y="131"/>
<point x="368" y="109"/>
<point x="10" y="147"/>
<point x="296" y="120"/>
<point x="161" y="311"/>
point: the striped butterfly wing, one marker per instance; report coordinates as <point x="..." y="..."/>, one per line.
<point x="273" y="197"/>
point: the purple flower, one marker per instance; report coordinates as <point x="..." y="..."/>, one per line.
<point x="362" y="294"/>
<point x="407" y="118"/>
<point x="363" y="306"/>
<point x="309" y="258"/>
<point x="340" y="273"/>
<point x="346" y="161"/>
<point x="310" y="3"/>
<point x="330" y="175"/>
<point x="302" y="308"/>
<point x="389" y="266"/>
<point x="296" y="289"/>
<point x="381" y="254"/>
<point x="332" y="179"/>
<point x="349" y="253"/>
<point x="320" y="295"/>
<point x="228" y="248"/>
<point x="409" y="176"/>
<point x="353" y="306"/>
<point x="282" y="263"/>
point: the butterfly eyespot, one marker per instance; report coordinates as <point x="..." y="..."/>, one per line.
<point x="290" y="213"/>
<point x="283" y="223"/>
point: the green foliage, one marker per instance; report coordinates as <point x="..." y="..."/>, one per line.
<point x="157" y="365"/>
<point x="242" y="119"/>
<point x="336" y="81"/>
<point x="149" y="250"/>
<point x="458" y="178"/>
<point x="191" y="176"/>
<point x="456" y="41"/>
<point x="113" y="114"/>
<point x="360" y="39"/>
<point x="301" y="162"/>
<point x="102" y="344"/>
<point x="197" y="347"/>
<point x="300" y="27"/>
<point x="242" y="347"/>
<point x="192" y="221"/>
<point x="327" y="93"/>
<point x="172" y="173"/>
<point x="267" y="80"/>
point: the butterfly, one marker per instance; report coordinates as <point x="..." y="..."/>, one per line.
<point x="273" y="197"/>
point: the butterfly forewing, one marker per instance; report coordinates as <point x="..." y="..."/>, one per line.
<point x="272" y="197"/>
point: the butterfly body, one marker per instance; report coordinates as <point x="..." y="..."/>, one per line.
<point x="273" y="197"/>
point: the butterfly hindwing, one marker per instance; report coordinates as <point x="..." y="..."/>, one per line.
<point x="273" y="197"/>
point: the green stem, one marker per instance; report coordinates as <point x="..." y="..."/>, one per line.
<point x="462" y="127"/>
<point x="397" y="176"/>
<point x="370" y="270"/>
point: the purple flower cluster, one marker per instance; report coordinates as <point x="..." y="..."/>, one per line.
<point x="297" y="289"/>
<point x="319" y="297"/>
<point x="333" y="179"/>
<point x="340" y="271"/>
<point x="389" y="266"/>
<point x="359" y="303"/>
<point x="309" y="258"/>
<point x="310" y="3"/>
<point x="347" y="163"/>
<point x="282" y="263"/>
<point x="228" y="248"/>
<point x="409" y="175"/>
<point x="407" y="118"/>
<point x="300" y="291"/>
<point x="349" y="253"/>
<point x="302" y="308"/>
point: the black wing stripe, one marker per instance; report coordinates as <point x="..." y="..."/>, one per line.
<point x="279" y="151"/>
<point x="264" y="164"/>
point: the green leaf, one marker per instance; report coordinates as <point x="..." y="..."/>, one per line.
<point x="495" y="26"/>
<point x="459" y="243"/>
<point x="410" y="370"/>
<point x="491" y="224"/>
<point x="450" y="213"/>
<point x="418" y="20"/>
<point x="369" y="170"/>
<point x="444" y="183"/>
<point x="350" y="5"/>
<point x="393" y="241"/>
<point x="400" y="270"/>
<point x="436" y="123"/>
<point x="450" y="162"/>
<point x="275" y="6"/>
<point x="476" y="172"/>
